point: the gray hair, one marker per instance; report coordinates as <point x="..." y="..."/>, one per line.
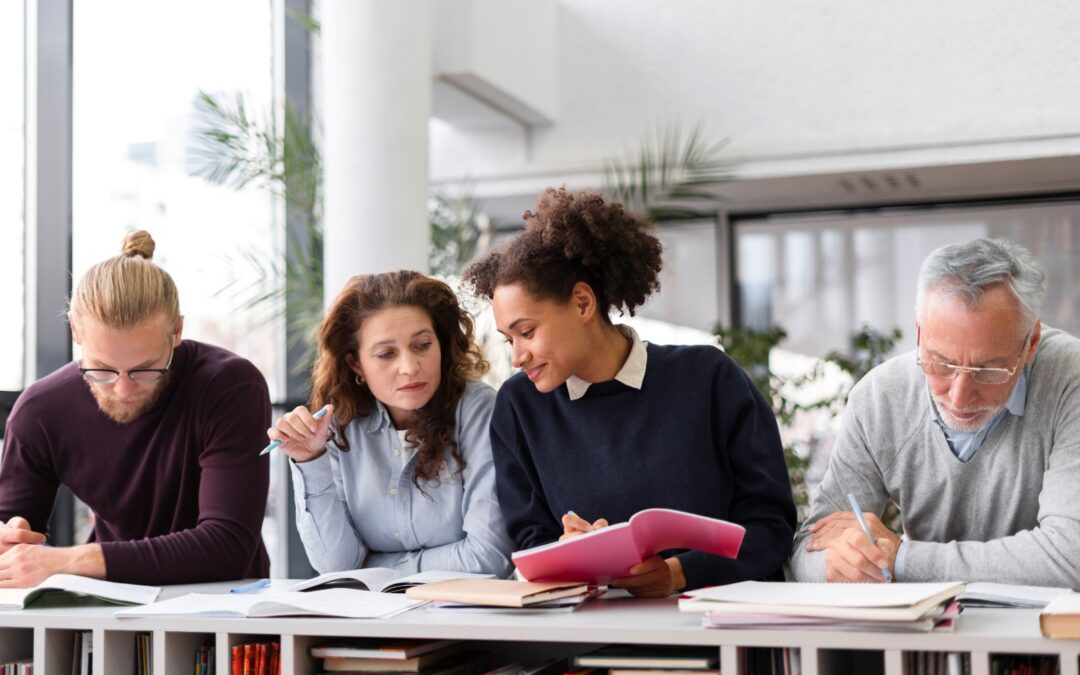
<point x="969" y="269"/>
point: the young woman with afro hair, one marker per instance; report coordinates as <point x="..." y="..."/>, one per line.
<point x="599" y="424"/>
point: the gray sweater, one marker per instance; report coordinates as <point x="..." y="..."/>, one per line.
<point x="1011" y="514"/>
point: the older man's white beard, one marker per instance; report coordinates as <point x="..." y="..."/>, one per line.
<point x="124" y="414"/>
<point x="981" y="419"/>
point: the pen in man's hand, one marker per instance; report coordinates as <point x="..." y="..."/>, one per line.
<point x="866" y="530"/>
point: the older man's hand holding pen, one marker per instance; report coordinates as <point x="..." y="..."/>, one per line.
<point x="860" y="547"/>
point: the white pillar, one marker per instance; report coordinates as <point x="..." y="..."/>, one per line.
<point x="376" y="88"/>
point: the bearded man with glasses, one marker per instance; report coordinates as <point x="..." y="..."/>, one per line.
<point x="975" y="436"/>
<point x="159" y="436"/>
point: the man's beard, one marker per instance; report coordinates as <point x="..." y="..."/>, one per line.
<point x="124" y="414"/>
<point x="985" y="414"/>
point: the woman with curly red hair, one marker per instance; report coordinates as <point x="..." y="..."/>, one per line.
<point x="399" y="472"/>
<point x="599" y="425"/>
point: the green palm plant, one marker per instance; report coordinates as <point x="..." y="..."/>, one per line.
<point x="238" y="149"/>
<point x="670" y="176"/>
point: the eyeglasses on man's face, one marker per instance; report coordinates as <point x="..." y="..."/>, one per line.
<point x="949" y="371"/>
<point x="138" y="375"/>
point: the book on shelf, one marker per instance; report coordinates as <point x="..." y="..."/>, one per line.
<point x="19" y="667"/>
<point x="205" y="663"/>
<point x="496" y="592"/>
<point x="609" y="553"/>
<point x="869" y="602"/>
<point x="378" y="648"/>
<point x="985" y="594"/>
<point x="553" y="666"/>
<point x="1061" y="617"/>
<point x="340" y="602"/>
<point x="142" y="653"/>
<point x="654" y="658"/>
<point x="412" y="664"/>
<point x="461" y="663"/>
<point x="82" y="653"/>
<point x="69" y="589"/>
<point x="255" y="658"/>
<point x="380" y="579"/>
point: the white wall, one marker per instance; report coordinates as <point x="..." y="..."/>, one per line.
<point x="798" y="87"/>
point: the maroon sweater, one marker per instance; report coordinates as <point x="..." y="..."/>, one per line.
<point x="178" y="494"/>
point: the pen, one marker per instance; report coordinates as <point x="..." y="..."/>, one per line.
<point x="274" y="444"/>
<point x="253" y="586"/>
<point x="866" y="529"/>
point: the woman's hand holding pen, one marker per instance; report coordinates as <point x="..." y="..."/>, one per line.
<point x="303" y="438"/>
<point x="574" y="525"/>
<point x="651" y="578"/>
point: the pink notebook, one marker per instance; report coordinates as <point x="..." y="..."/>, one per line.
<point x="608" y="553"/>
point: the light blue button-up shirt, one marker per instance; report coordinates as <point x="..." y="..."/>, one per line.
<point x="352" y="504"/>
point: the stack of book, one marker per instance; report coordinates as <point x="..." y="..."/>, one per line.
<point x="1024" y="664"/>
<point x="633" y="660"/>
<point x="501" y="595"/>
<point x="360" y="655"/>
<point x="809" y="606"/>
<point x="20" y="667"/>
<point x="142" y="654"/>
<point x="256" y="658"/>
<point x="204" y="660"/>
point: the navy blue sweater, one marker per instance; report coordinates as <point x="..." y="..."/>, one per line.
<point x="697" y="437"/>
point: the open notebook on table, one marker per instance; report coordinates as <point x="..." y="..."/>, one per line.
<point x="341" y="602"/>
<point x="66" y="589"/>
<point x="381" y="579"/>
<point x="984" y="594"/>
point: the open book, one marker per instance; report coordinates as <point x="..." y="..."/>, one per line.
<point x="381" y="579"/>
<point x="67" y="589"/>
<point x="343" y="602"/>
<point x="985" y="594"/>
<point x="609" y="553"/>
<point x="868" y="602"/>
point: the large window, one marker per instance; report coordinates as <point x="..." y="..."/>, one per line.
<point x="139" y="68"/>
<point x="138" y="71"/>
<point x="822" y="276"/>
<point x="12" y="178"/>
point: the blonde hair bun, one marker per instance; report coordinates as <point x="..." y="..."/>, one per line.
<point x="138" y="243"/>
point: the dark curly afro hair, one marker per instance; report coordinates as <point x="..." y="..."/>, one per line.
<point x="572" y="237"/>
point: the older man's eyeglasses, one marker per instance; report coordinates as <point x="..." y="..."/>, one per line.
<point x="138" y="375"/>
<point x="949" y="371"/>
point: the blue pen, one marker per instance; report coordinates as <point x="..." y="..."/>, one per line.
<point x="253" y="586"/>
<point x="277" y="443"/>
<point x="866" y="529"/>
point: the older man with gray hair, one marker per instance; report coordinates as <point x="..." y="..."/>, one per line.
<point x="975" y="436"/>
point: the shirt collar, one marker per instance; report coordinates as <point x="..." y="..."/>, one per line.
<point x="632" y="373"/>
<point x="964" y="444"/>
<point x="378" y="418"/>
